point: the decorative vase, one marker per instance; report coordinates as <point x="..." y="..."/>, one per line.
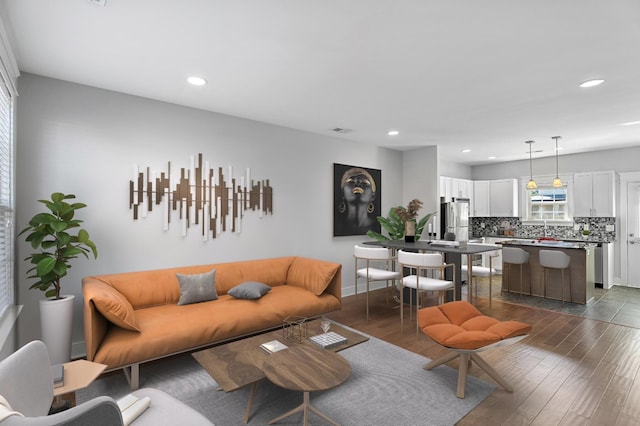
<point x="56" y="320"/>
<point x="410" y="231"/>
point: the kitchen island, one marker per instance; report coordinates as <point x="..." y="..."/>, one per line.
<point x="582" y="271"/>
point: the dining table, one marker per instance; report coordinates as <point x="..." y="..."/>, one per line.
<point x="452" y="254"/>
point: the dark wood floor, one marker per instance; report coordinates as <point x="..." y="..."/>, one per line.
<point x="569" y="371"/>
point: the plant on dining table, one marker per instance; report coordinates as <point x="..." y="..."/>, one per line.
<point x="394" y="224"/>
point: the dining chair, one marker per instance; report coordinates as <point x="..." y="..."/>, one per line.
<point x="374" y="258"/>
<point x="420" y="266"/>
<point x="482" y="272"/>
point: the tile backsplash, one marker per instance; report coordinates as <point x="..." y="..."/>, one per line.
<point x="496" y="226"/>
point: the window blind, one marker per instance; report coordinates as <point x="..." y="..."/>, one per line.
<point x="6" y="198"/>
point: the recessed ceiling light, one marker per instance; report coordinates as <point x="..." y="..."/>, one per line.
<point x="630" y="123"/>
<point x="492" y="157"/>
<point x="393" y="133"/>
<point x="592" y="83"/>
<point x="196" y="81"/>
<point x="466" y="150"/>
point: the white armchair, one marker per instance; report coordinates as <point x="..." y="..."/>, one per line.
<point x="26" y="383"/>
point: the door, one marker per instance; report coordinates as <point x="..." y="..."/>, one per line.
<point x="633" y="234"/>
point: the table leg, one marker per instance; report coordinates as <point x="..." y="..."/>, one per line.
<point x="305" y="407"/>
<point x="247" y="412"/>
<point x="469" y="278"/>
<point x="456" y="259"/>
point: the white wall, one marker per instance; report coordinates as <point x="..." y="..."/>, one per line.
<point x="620" y="160"/>
<point x="420" y="171"/>
<point x="83" y="140"/>
<point x="455" y="170"/>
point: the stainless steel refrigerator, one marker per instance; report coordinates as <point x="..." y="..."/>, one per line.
<point x="454" y="218"/>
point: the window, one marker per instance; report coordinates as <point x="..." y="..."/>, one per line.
<point x="548" y="203"/>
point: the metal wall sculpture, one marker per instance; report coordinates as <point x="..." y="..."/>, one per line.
<point x="202" y="196"/>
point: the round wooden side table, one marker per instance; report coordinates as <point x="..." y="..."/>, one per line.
<point x="306" y="369"/>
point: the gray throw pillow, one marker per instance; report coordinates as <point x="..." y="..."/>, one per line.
<point x="197" y="287"/>
<point x="249" y="290"/>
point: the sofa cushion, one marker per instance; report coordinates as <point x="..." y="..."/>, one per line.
<point x="115" y="307"/>
<point x="249" y="290"/>
<point x="313" y="275"/>
<point x="196" y="288"/>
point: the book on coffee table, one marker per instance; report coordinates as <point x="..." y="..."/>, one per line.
<point x="328" y="340"/>
<point x="273" y="346"/>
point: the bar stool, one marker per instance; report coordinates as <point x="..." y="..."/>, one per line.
<point x="555" y="259"/>
<point x="369" y="272"/>
<point x="420" y="282"/>
<point x="515" y="256"/>
<point x="482" y="271"/>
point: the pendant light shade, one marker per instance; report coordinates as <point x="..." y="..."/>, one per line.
<point x="557" y="183"/>
<point x="532" y="183"/>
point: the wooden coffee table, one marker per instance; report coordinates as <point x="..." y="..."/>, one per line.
<point x="306" y="369"/>
<point x="239" y="363"/>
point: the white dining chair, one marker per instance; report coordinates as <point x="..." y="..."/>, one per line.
<point x="481" y="272"/>
<point x="378" y="266"/>
<point x="420" y="265"/>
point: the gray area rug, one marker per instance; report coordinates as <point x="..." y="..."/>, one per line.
<point x="387" y="386"/>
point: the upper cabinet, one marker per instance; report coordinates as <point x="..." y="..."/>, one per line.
<point x="455" y="188"/>
<point x="594" y="194"/>
<point x="503" y="197"/>
<point x="480" y="207"/>
<point x="498" y="198"/>
<point x="487" y="197"/>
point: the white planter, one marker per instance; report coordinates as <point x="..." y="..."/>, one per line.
<point x="56" y="319"/>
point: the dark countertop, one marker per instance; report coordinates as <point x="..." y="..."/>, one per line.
<point x="522" y="237"/>
<point x="551" y="244"/>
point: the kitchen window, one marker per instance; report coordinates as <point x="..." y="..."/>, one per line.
<point x="548" y="203"/>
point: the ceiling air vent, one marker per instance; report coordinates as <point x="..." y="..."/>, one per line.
<point x="341" y="130"/>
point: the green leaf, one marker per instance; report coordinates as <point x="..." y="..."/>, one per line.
<point x="42" y="219"/>
<point x="63" y="238"/>
<point x="58" y="226"/>
<point x="45" y="266"/>
<point x="83" y="236"/>
<point x="60" y="269"/>
<point x="71" y="251"/>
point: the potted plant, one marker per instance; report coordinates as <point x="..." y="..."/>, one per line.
<point x="395" y="223"/>
<point x="58" y="239"/>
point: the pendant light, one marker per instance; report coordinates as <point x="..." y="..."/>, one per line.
<point x="532" y="183"/>
<point x="557" y="183"/>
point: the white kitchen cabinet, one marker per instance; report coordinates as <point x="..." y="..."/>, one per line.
<point x="486" y="197"/>
<point x="503" y="198"/>
<point x="594" y="194"/>
<point x="445" y="188"/>
<point x="455" y="188"/>
<point x="480" y="205"/>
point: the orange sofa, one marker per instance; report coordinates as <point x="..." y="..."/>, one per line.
<point x="131" y="318"/>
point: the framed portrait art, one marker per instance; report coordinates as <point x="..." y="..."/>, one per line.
<point x="356" y="200"/>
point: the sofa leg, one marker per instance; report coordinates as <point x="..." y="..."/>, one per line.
<point x="132" y="373"/>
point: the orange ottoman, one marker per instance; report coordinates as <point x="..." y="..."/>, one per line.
<point x="461" y="328"/>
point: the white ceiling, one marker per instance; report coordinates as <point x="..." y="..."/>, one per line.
<point x="484" y="75"/>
